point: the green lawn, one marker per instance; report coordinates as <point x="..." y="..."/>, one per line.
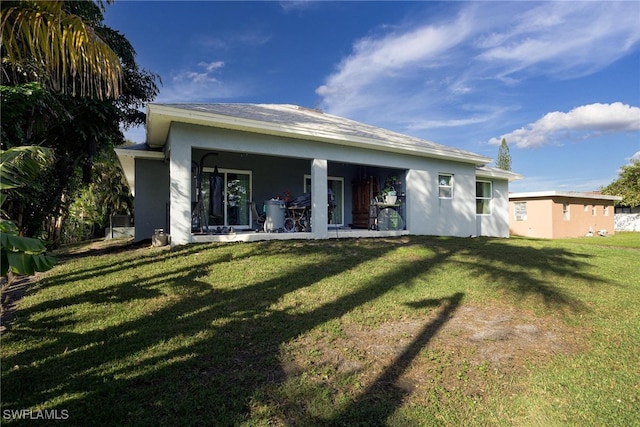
<point x="402" y="331"/>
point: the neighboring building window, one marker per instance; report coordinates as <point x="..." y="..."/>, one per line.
<point x="593" y="210"/>
<point x="605" y="211"/>
<point x="483" y="197"/>
<point x="445" y="186"/>
<point x="520" y="211"/>
<point x="565" y="211"/>
<point x="586" y="208"/>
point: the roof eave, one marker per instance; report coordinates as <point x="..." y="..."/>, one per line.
<point x="160" y="117"/>
<point x="498" y="173"/>
<point x="144" y="154"/>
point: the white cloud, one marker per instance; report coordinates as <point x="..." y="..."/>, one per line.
<point x="252" y="37"/>
<point x="558" y="183"/>
<point x="200" y="77"/>
<point x="297" y="5"/>
<point x="565" y="39"/>
<point x="580" y="123"/>
<point x="201" y="84"/>
<point x="212" y="66"/>
<point x="475" y="51"/>
<point x="474" y="115"/>
<point x="376" y="63"/>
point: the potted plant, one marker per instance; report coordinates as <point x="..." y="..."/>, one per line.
<point x="389" y="192"/>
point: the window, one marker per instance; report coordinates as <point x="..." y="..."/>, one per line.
<point x="586" y="208"/>
<point x="593" y="210"/>
<point x="335" y="184"/>
<point x="483" y="197"/>
<point x="445" y="186"/>
<point x="565" y="211"/>
<point x="605" y="211"/>
<point x="231" y="206"/>
<point x="520" y="211"/>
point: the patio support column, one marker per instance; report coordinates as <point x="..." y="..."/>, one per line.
<point x="180" y="194"/>
<point x="319" y="213"/>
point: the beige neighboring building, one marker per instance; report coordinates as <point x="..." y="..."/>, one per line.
<point x="558" y="214"/>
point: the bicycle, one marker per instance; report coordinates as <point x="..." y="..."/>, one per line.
<point x="297" y="219"/>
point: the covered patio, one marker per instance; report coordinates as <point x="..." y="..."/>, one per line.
<point x="209" y="172"/>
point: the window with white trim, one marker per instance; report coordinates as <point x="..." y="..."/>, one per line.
<point x="605" y="211"/>
<point x="565" y="212"/>
<point x="520" y="211"/>
<point x="231" y="206"/>
<point x="445" y="186"/>
<point x="336" y="185"/>
<point x="483" y="197"/>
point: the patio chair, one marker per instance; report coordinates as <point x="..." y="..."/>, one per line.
<point x="258" y="218"/>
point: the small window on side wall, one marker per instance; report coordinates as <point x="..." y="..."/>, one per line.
<point x="445" y="186"/>
<point x="565" y="212"/>
<point x="520" y="211"/>
<point x="483" y="197"/>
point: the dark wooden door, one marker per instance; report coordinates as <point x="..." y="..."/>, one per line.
<point x="363" y="192"/>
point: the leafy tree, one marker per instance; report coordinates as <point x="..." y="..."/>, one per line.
<point x="626" y="186"/>
<point x="503" y="161"/>
<point x="94" y="204"/>
<point x="78" y="128"/>
<point x="19" y="254"/>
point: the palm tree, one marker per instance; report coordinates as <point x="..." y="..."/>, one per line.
<point x="43" y="41"/>
<point x="18" y="167"/>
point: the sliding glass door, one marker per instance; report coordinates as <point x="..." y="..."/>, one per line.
<point x="336" y="185"/>
<point x="226" y="196"/>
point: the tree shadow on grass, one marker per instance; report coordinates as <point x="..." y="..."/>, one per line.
<point x="525" y="270"/>
<point x="384" y="396"/>
<point x="125" y="263"/>
<point x="204" y="353"/>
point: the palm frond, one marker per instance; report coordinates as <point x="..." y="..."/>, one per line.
<point x="20" y="165"/>
<point x="67" y="48"/>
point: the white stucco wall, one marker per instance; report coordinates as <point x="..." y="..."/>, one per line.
<point x="426" y="213"/>
<point x="180" y="189"/>
<point x="497" y="223"/>
<point x="152" y="196"/>
<point x="319" y="198"/>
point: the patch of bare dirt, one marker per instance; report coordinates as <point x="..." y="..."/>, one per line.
<point x="11" y="291"/>
<point x="473" y="346"/>
<point x="99" y="247"/>
<point x="505" y="336"/>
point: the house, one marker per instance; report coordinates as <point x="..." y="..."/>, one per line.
<point x="203" y="165"/>
<point x="557" y="214"/>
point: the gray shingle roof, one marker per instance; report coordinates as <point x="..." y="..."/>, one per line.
<point x="311" y="122"/>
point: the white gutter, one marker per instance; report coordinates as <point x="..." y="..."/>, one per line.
<point x="486" y="172"/>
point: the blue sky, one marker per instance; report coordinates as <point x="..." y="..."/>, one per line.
<point x="559" y="80"/>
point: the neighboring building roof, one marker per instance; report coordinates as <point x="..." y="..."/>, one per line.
<point x="570" y="194"/>
<point x="296" y="122"/>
